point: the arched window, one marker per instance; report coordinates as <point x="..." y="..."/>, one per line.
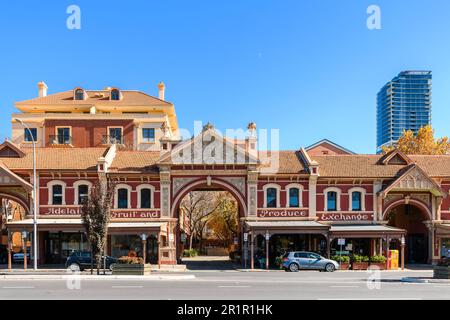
<point x="294" y="197"/>
<point x="79" y="94"/>
<point x="83" y="193"/>
<point x="56" y="190"/>
<point x="271" y="196"/>
<point x="357" y="199"/>
<point x="57" y="194"/>
<point x="146" y="198"/>
<point x="331" y="201"/>
<point x="294" y="194"/>
<point x="115" y="94"/>
<point x="122" y="198"/>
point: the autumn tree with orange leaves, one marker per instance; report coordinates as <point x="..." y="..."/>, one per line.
<point x="422" y="143"/>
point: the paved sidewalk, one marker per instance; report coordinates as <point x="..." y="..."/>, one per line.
<point x="83" y="276"/>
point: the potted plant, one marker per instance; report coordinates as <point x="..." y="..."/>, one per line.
<point x="344" y="262"/>
<point x="279" y="262"/>
<point x="379" y="261"/>
<point x="190" y="253"/>
<point x="442" y="269"/>
<point x="131" y="266"/>
<point x="360" y="262"/>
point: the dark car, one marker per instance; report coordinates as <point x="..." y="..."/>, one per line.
<point x="80" y="260"/>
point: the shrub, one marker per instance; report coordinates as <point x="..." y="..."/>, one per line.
<point x="358" y="258"/>
<point x="342" y="259"/>
<point x="130" y="260"/>
<point x="444" y="262"/>
<point x="378" y="259"/>
<point x="189" y="253"/>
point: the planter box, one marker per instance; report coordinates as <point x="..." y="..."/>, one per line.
<point x="441" y="272"/>
<point x="344" y="266"/>
<point x="360" y="265"/>
<point x="131" y="269"/>
<point x="380" y="265"/>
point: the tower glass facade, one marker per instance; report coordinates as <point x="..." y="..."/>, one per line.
<point x="404" y="103"/>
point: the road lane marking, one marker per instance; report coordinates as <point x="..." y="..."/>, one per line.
<point x="18" y="287"/>
<point x="234" y="286"/>
<point x="127" y="287"/>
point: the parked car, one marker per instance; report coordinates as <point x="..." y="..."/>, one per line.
<point x="297" y="260"/>
<point x="18" y="257"/>
<point x="80" y="260"/>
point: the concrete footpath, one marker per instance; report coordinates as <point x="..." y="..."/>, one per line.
<point x="74" y="276"/>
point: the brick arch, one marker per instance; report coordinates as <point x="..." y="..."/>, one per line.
<point x="422" y="206"/>
<point x="220" y="184"/>
<point x="23" y="202"/>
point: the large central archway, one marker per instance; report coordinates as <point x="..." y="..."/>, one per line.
<point x="412" y="217"/>
<point x="211" y="186"/>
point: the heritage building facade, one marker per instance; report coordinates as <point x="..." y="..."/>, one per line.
<point x="307" y="198"/>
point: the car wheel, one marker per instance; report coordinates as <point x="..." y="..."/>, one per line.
<point x="329" y="267"/>
<point x="293" y="267"/>
<point x="111" y="266"/>
<point x="74" y="267"/>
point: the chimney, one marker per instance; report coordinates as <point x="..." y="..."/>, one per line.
<point x="161" y="89"/>
<point x="42" y="89"/>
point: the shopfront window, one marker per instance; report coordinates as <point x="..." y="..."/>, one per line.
<point x="122" y="198"/>
<point x="271" y="198"/>
<point x="126" y="245"/>
<point x="331" y="201"/>
<point x="83" y="193"/>
<point x="59" y="245"/>
<point x="146" y="195"/>
<point x="294" y="197"/>
<point x="356" y="201"/>
<point x="57" y="194"/>
<point x="445" y="248"/>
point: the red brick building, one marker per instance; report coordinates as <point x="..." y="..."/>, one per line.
<point x="288" y="200"/>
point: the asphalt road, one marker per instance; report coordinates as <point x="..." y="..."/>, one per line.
<point x="236" y="285"/>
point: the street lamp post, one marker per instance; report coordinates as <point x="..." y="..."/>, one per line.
<point x="34" y="194"/>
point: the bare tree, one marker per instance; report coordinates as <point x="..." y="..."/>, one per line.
<point x="96" y="215"/>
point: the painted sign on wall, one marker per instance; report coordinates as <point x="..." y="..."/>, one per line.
<point x="335" y="216"/>
<point x="282" y="213"/>
<point x="115" y="213"/>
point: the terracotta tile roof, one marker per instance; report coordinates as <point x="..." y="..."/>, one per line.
<point x="288" y="161"/>
<point x="365" y="166"/>
<point x="57" y="159"/>
<point x="434" y="166"/>
<point x="135" y="161"/>
<point x="129" y="98"/>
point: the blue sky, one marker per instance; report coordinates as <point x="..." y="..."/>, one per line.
<point x="310" y="68"/>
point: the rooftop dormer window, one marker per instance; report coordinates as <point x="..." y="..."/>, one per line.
<point x="79" y="94"/>
<point x="115" y="94"/>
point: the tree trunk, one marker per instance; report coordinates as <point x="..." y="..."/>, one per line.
<point x="190" y="241"/>
<point x="92" y="259"/>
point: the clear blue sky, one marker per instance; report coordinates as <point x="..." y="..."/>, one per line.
<point x="310" y="68"/>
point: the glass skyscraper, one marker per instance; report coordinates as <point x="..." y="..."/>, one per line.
<point x="404" y="103"/>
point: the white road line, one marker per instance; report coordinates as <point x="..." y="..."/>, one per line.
<point x="18" y="287"/>
<point x="127" y="287"/>
<point x="234" y="286"/>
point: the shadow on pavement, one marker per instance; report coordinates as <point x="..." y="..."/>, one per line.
<point x="210" y="263"/>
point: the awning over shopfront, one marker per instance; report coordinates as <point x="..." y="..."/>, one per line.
<point x="286" y="227"/>
<point x="76" y="225"/>
<point x="443" y="230"/>
<point x="365" y="231"/>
